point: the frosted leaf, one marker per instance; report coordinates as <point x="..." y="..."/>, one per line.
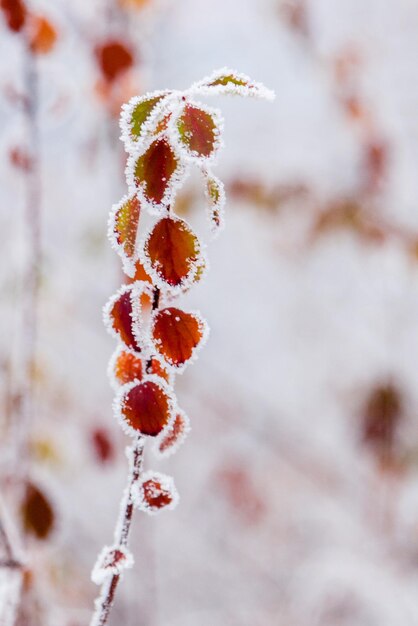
<point x="155" y="174"/>
<point x="140" y="273"/>
<point x="230" y="82"/>
<point x="111" y="561"/>
<point x="156" y="366"/>
<point x="197" y="131"/>
<point x="171" y="254"/>
<point x="122" y="314"/>
<point x="122" y="231"/>
<point x="126" y="366"/>
<point x="141" y="116"/>
<point x="155" y="492"/>
<point x="177" y="335"/>
<point x="173" y="435"/>
<point x="215" y="194"/>
<point x="145" y="407"/>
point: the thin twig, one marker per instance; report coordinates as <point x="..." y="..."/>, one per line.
<point x="104" y="602"/>
<point x="106" y="597"/>
<point x="32" y="277"/>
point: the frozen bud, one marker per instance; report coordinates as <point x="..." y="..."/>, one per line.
<point x="111" y="561"/>
<point x="155" y="492"/>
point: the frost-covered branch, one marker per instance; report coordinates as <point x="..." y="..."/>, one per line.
<point x="112" y="560"/>
<point x="165" y="133"/>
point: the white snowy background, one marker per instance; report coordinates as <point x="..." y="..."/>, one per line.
<point x="285" y="517"/>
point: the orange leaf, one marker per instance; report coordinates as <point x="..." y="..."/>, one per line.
<point x="172" y="252"/>
<point x="156" y="367"/>
<point x="177" y="334"/>
<point x="37" y="513"/>
<point x="140" y="273"/>
<point x="42" y="35"/>
<point x="126" y="367"/>
<point x="144" y="407"/>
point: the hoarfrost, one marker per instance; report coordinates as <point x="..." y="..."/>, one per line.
<point x="199" y="264"/>
<point x="216" y="197"/>
<point x="203" y="329"/>
<point x="154" y="493"/>
<point x="173" y="436"/>
<point x="226" y="81"/>
<point x="120" y="400"/>
<point x="112" y="560"/>
<point x="135" y="132"/>
<point x="185" y="152"/>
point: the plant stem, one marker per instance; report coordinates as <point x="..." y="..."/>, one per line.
<point x="11" y="562"/>
<point x="104" y="601"/>
<point x="25" y="408"/>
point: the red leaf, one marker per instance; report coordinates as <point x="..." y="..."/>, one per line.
<point x="198" y="131"/>
<point x="144" y="407"/>
<point x="15" y="14"/>
<point x="114" y="58"/>
<point x="155" y="172"/>
<point x="123" y="311"/>
<point x="112" y="560"/>
<point x="155" y="492"/>
<point x="172" y="252"/>
<point x="102" y="445"/>
<point x="37" y="512"/>
<point x="177" y="334"/>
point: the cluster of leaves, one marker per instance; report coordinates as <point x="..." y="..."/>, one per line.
<point x="164" y="133"/>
